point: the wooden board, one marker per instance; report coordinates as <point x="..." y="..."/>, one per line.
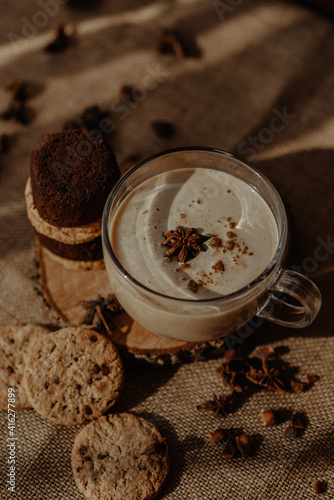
<point x="64" y="289"/>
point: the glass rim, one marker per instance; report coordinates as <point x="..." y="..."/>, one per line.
<point x="267" y="271"/>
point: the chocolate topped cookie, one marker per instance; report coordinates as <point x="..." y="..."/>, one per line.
<point x="72" y="173"/>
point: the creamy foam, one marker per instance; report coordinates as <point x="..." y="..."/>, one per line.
<point x="243" y="233"/>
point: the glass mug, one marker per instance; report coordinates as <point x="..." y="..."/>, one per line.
<point x="206" y="319"/>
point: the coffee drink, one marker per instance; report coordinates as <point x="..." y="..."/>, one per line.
<point x="241" y="233"/>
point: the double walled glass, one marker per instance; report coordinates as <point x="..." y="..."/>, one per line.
<point x="203" y="320"/>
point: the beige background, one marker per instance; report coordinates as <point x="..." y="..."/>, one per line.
<point x="263" y="55"/>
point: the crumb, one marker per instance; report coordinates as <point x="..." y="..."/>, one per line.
<point x="228" y="191"/>
<point x="198" y="201"/>
<point x="231" y="235"/>
<point x="233" y="225"/>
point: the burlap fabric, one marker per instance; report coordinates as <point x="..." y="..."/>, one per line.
<point x="250" y="62"/>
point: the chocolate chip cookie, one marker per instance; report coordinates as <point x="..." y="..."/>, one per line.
<point x="15" y="342"/>
<point x="73" y="375"/>
<point x="120" y="457"/>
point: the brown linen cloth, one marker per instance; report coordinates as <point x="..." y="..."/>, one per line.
<point x="251" y="62"/>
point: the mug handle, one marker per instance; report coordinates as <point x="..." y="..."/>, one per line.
<point x="277" y="310"/>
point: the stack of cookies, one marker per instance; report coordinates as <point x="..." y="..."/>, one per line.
<point x="73" y="376"/>
<point x="71" y="176"/>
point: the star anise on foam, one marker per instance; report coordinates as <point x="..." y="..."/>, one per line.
<point x="99" y="312"/>
<point x="219" y="406"/>
<point x="184" y="244"/>
<point x="270" y="378"/>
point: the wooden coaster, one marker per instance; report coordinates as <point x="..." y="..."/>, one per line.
<point x="64" y="289"/>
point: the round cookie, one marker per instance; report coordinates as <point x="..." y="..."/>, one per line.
<point x="15" y="342"/>
<point x="73" y="375"/>
<point x="68" y="235"/>
<point x="72" y="174"/>
<point x="115" y="458"/>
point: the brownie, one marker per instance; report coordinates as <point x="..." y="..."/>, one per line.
<point x="72" y="174"/>
<point x="89" y="251"/>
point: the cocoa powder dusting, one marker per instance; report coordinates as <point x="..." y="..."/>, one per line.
<point x="219" y="267"/>
<point x="193" y="286"/>
<point x="216" y="242"/>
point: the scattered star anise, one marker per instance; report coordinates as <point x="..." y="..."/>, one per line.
<point x="233" y="374"/>
<point x="270" y="378"/>
<point x="18" y="89"/>
<point x="297" y="386"/>
<point x="296" y="426"/>
<point x="100" y="312"/>
<point x="16" y="110"/>
<point x="233" y="442"/>
<point x="310" y="379"/>
<point x="217" y="435"/>
<point x="184" y="244"/>
<point x="219" y="406"/>
<point x="268" y="417"/>
<point x="237" y="443"/>
<point x="230" y="448"/>
<point x="264" y="352"/>
<point x="160" y="448"/>
<point x="243" y="442"/>
<point x="60" y="40"/>
<point x="169" y="44"/>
